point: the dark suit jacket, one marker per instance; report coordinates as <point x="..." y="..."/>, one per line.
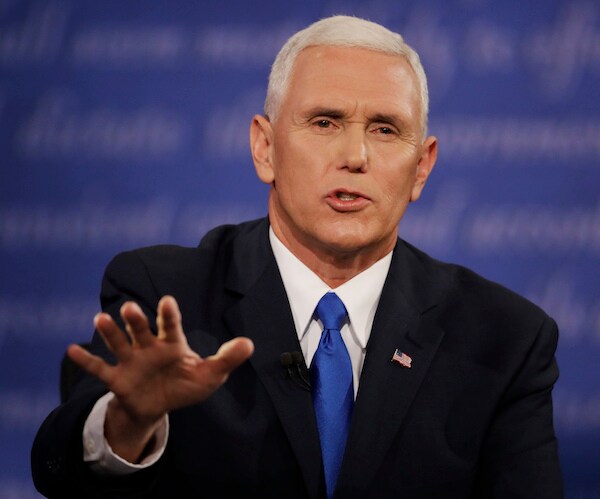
<point x="472" y="417"/>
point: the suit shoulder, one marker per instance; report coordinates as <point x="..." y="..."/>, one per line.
<point x="493" y="294"/>
<point x="211" y="244"/>
<point x="470" y="288"/>
<point x="151" y="257"/>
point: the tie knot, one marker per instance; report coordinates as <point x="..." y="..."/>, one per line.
<point x="331" y="311"/>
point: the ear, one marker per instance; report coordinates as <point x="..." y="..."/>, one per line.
<point x="261" y="144"/>
<point x="425" y="165"/>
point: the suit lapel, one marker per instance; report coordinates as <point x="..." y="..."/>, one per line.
<point x="387" y="389"/>
<point x="263" y="314"/>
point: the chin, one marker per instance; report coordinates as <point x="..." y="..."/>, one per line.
<point x="348" y="242"/>
<point x="359" y="238"/>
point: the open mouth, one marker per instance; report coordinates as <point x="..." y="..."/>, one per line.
<point x="345" y="200"/>
<point x="346" y="196"/>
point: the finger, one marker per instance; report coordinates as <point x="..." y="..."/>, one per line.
<point x="90" y="363"/>
<point x="169" y="320"/>
<point x="114" y="338"/>
<point x="231" y="355"/>
<point x="137" y="324"/>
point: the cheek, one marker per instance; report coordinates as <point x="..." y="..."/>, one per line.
<point x="395" y="164"/>
<point x="398" y="185"/>
<point x="290" y="161"/>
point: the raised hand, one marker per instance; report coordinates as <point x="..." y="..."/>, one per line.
<point x="153" y="374"/>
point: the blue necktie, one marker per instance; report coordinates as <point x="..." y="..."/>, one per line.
<point x="333" y="393"/>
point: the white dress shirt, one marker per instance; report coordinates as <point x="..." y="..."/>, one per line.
<point x="304" y="289"/>
<point x="360" y="296"/>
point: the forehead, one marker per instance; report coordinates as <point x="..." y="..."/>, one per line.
<point x="351" y="76"/>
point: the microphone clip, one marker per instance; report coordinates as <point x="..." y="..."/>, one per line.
<point x="293" y="362"/>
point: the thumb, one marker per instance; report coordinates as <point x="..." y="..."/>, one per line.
<point x="232" y="354"/>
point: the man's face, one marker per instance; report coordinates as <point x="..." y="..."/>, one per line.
<point x="344" y="156"/>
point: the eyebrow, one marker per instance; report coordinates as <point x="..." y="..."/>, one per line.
<point x="332" y="112"/>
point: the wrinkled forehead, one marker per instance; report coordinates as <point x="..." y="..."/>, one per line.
<point x="324" y="74"/>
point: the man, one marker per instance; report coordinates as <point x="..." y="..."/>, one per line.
<point x="440" y="381"/>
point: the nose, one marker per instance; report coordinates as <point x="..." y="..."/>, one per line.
<point x="354" y="150"/>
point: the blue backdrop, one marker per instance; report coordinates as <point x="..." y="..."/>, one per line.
<point x="125" y="123"/>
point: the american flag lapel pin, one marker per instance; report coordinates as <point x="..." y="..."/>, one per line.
<point x="402" y="359"/>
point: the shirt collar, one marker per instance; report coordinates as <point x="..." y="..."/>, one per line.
<point x="304" y="290"/>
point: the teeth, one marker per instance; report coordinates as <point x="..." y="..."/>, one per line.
<point x="344" y="196"/>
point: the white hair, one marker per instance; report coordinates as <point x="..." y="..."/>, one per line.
<point x="342" y="31"/>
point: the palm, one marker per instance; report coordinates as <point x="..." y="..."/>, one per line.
<point x="156" y="374"/>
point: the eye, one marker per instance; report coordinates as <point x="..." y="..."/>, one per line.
<point x="386" y="130"/>
<point x="323" y="123"/>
